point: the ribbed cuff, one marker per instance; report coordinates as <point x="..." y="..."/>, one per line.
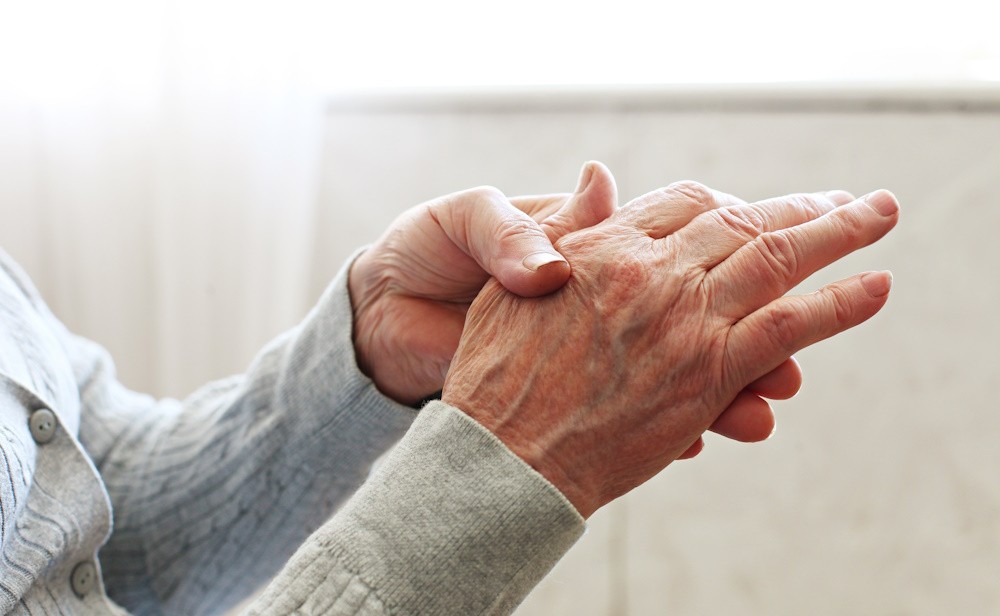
<point x="451" y="523"/>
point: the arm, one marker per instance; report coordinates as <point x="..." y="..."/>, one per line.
<point x="212" y="494"/>
<point x="454" y="522"/>
<point x="451" y="523"/>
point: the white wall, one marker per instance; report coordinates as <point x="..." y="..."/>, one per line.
<point x="879" y="492"/>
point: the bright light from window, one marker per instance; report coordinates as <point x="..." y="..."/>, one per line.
<point x="443" y="42"/>
<point x="54" y="46"/>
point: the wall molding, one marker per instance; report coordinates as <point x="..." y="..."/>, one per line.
<point x="773" y="98"/>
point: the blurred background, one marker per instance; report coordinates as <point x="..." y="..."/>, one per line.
<point x="181" y="180"/>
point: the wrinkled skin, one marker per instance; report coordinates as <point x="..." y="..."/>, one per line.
<point x="410" y="291"/>
<point x="673" y="311"/>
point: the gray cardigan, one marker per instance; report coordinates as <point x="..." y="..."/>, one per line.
<point x="214" y="495"/>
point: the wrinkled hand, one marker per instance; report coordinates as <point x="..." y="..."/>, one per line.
<point x="411" y="290"/>
<point x="675" y="310"/>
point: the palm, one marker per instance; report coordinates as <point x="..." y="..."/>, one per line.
<point x="429" y="330"/>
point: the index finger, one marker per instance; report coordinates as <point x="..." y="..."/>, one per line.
<point x="664" y="211"/>
<point x="540" y="207"/>
<point x="774" y="262"/>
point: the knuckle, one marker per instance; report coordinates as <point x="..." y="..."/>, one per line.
<point x="746" y="221"/>
<point x="852" y="225"/>
<point x="591" y="243"/>
<point x="784" y="324"/>
<point x="514" y="228"/>
<point x="779" y="252"/>
<point x="485" y="194"/>
<point x="691" y="190"/>
<point x="839" y="300"/>
<point x="810" y="205"/>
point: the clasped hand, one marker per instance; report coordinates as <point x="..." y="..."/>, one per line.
<point x="675" y="307"/>
<point x="410" y="291"/>
<point x="673" y="319"/>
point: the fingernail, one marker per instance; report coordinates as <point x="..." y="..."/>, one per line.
<point x="537" y="260"/>
<point x="586" y="175"/>
<point x="883" y="202"/>
<point x="877" y="283"/>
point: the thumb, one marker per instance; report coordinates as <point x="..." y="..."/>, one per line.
<point x="505" y="242"/>
<point x="595" y="199"/>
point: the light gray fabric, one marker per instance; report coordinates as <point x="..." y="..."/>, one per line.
<point x="212" y="495"/>
<point x="487" y="526"/>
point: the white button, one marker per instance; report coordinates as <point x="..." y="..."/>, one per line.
<point x="83" y="579"/>
<point x="43" y="426"/>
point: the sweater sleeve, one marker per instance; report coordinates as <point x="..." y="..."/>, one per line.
<point x="212" y="494"/>
<point x="452" y="523"/>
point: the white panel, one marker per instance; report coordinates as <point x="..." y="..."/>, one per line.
<point x="878" y="494"/>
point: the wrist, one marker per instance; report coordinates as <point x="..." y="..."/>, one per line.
<point x="533" y="443"/>
<point x="572" y="485"/>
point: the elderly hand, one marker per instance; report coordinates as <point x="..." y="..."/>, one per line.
<point x="411" y="290"/>
<point x="674" y="309"/>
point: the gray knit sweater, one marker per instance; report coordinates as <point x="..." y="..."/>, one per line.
<point x="214" y="495"/>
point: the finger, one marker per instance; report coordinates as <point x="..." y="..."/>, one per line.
<point x="693" y="450"/>
<point x="664" y="211"/>
<point x="502" y="239"/>
<point x="781" y="383"/>
<point x="715" y="235"/>
<point x="747" y="419"/>
<point x="595" y="199"/>
<point x="839" y="197"/>
<point x="775" y="261"/>
<point x="761" y="341"/>
<point x="540" y="207"/>
<point x="425" y="376"/>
